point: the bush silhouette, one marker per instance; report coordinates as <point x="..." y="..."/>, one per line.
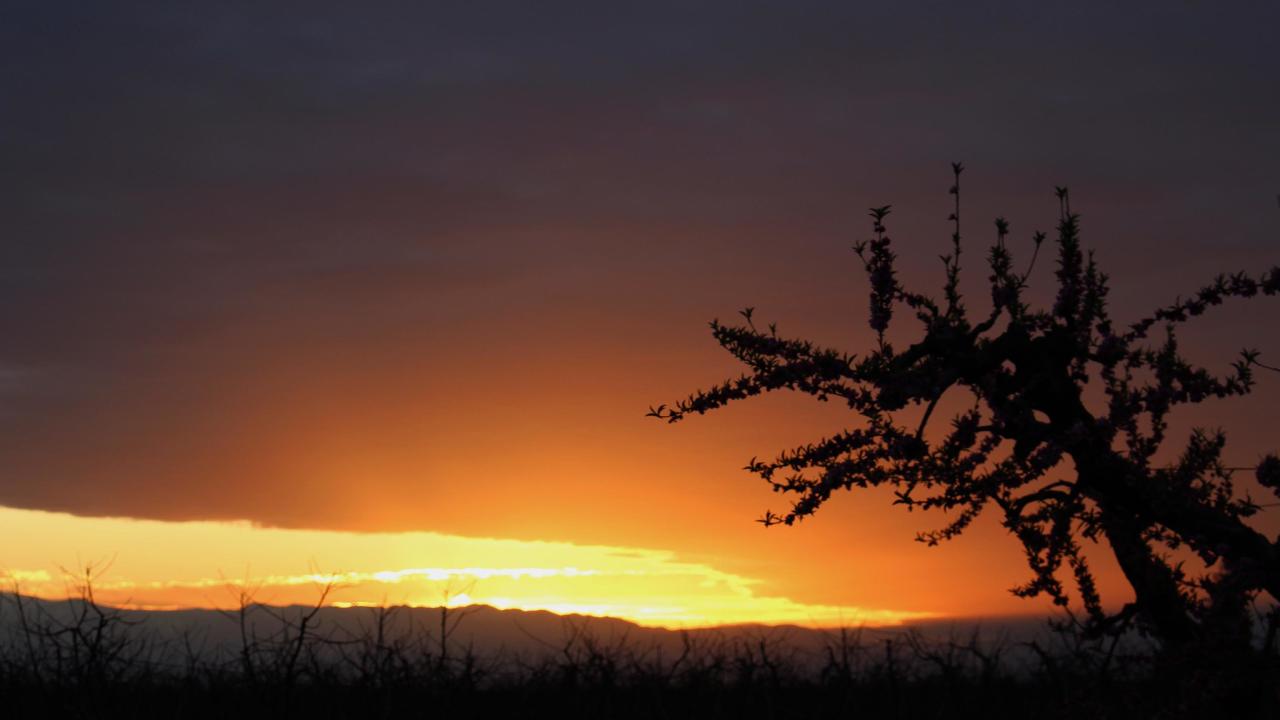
<point x="1058" y="469"/>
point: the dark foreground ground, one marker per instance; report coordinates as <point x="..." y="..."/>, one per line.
<point x="79" y="660"/>
<point x="867" y="698"/>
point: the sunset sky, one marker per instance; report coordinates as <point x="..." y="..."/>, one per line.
<point x="292" y="292"/>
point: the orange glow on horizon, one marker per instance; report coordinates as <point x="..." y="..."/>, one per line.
<point x="151" y="564"/>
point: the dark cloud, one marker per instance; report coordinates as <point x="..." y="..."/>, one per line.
<point x="245" y="242"/>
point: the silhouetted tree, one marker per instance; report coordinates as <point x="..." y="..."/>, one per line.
<point x="1058" y="468"/>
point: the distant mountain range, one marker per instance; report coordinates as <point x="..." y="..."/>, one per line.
<point x="484" y="631"/>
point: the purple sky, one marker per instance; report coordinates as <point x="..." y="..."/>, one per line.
<point x="251" y="251"/>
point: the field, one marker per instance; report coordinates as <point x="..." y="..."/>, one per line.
<point x="79" y="659"/>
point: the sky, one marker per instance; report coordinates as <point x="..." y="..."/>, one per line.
<point x="405" y="277"/>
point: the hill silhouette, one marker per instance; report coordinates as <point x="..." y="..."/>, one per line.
<point x="493" y="632"/>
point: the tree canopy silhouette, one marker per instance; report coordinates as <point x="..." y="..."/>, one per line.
<point x="1059" y="469"/>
